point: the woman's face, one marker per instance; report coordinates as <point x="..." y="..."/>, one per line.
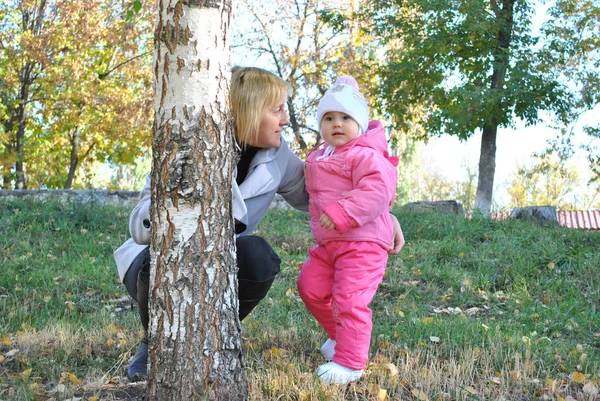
<point x="272" y="122"/>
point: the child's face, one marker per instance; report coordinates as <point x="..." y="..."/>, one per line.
<point x="338" y="128"/>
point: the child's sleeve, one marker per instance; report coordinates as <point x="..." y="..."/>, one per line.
<point x="374" y="180"/>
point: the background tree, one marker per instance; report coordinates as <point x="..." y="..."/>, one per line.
<point x="573" y="52"/>
<point x="472" y="65"/>
<point x="549" y="182"/>
<point x="195" y="342"/>
<point x="87" y="96"/>
<point x="306" y="51"/>
<point x="22" y="27"/>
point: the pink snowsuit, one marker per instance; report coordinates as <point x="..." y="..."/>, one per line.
<point x="355" y="187"/>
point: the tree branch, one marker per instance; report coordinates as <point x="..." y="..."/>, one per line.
<point x="103" y="75"/>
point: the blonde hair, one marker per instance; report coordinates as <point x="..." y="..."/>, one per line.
<point x="252" y="91"/>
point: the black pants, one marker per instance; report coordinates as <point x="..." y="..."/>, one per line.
<point x="258" y="265"/>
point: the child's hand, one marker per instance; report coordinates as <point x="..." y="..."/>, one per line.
<point x="326" y="222"/>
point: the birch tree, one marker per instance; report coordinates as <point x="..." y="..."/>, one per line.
<point x="195" y="344"/>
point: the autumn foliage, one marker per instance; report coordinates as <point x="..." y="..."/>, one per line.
<point x="75" y="84"/>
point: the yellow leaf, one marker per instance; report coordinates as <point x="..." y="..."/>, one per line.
<point x="382" y="395"/>
<point x="461" y="255"/>
<point x="578" y="377"/>
<point x="373" y="388"/>
<point x="6" y="341"/>
<point x="70" y="305"/>
<point x="2" y="359"/>
<point x="304" y="395"/>
<point x="552" y="385"/>
<point x="93" y="398"/>
<point x="427" y="320"/>
<point x="416" y="272"/>
<point x="110" y="343"/>
<point x="551" y="266"/>
<point x="514" y="375"/>
<point x="74" y="380"/>
<point x="470" y="390"/>
<point x="419" y="394"/>
<point x="26" y="373"/>
<point x="391" y="368"/>
<point x="399" y="311"/>
<point x="47" y="299"/>
<point x="529" y="367"/>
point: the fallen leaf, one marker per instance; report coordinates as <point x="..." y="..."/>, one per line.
<point x="578" y="377"/>
<point x="382" y="395"/>
<point x="590" y="388"/>
<point x="74" y="380"/>
<point x="390" y="367"/>
<point x="496" y="380"/>
<point x="399" y="311"/>
<point x="470" y="390"/>
<point x="373" y="388"/>
<point x="514" y="375"/>
<point x="6" y="341"/>
<point x="419" y="395"/>
<point x="26" y="373"/>
<point x="427" y="320"/>
<point x="11" y="353"/>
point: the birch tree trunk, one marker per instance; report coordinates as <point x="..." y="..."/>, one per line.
<point x="195" y="343"/>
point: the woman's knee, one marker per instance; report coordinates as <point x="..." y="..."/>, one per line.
<point x="257" y="261"/>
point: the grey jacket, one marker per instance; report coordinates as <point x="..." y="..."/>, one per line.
<point x="271" y="171"/>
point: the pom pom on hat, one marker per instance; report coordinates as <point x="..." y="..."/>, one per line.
<point x="345" y="97"/>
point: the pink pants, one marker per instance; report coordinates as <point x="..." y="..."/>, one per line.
<point x="337" y="283"/>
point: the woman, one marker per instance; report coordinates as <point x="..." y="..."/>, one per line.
<point x="266" y="167"/>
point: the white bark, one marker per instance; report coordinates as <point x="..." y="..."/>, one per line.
<point x="195" y="342"/>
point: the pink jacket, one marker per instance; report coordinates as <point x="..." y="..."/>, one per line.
<point x="355" y="187"/>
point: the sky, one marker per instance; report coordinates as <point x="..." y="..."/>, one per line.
<point x="515" y="147"/>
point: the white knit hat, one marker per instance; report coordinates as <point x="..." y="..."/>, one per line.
<point x="345" y="97"/>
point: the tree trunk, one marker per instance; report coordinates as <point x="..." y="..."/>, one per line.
<point x="75" y="146"/>
<point x="487" y="158"/>
<point x="487" y="170"/>
<point x="21" y="121"/>
<point x="195" y="342"/>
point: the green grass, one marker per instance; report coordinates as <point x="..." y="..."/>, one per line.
<point x="514" y="305"/>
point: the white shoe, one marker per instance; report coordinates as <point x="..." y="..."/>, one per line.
<point x="328" y="349"/>
<point x="332" y="373"/>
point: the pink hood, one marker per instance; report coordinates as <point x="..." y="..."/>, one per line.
<point x="355" y="187"/>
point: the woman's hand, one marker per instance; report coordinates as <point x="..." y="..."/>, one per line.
<point x="327" y="223"/>
<point x="398" y="239"/>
